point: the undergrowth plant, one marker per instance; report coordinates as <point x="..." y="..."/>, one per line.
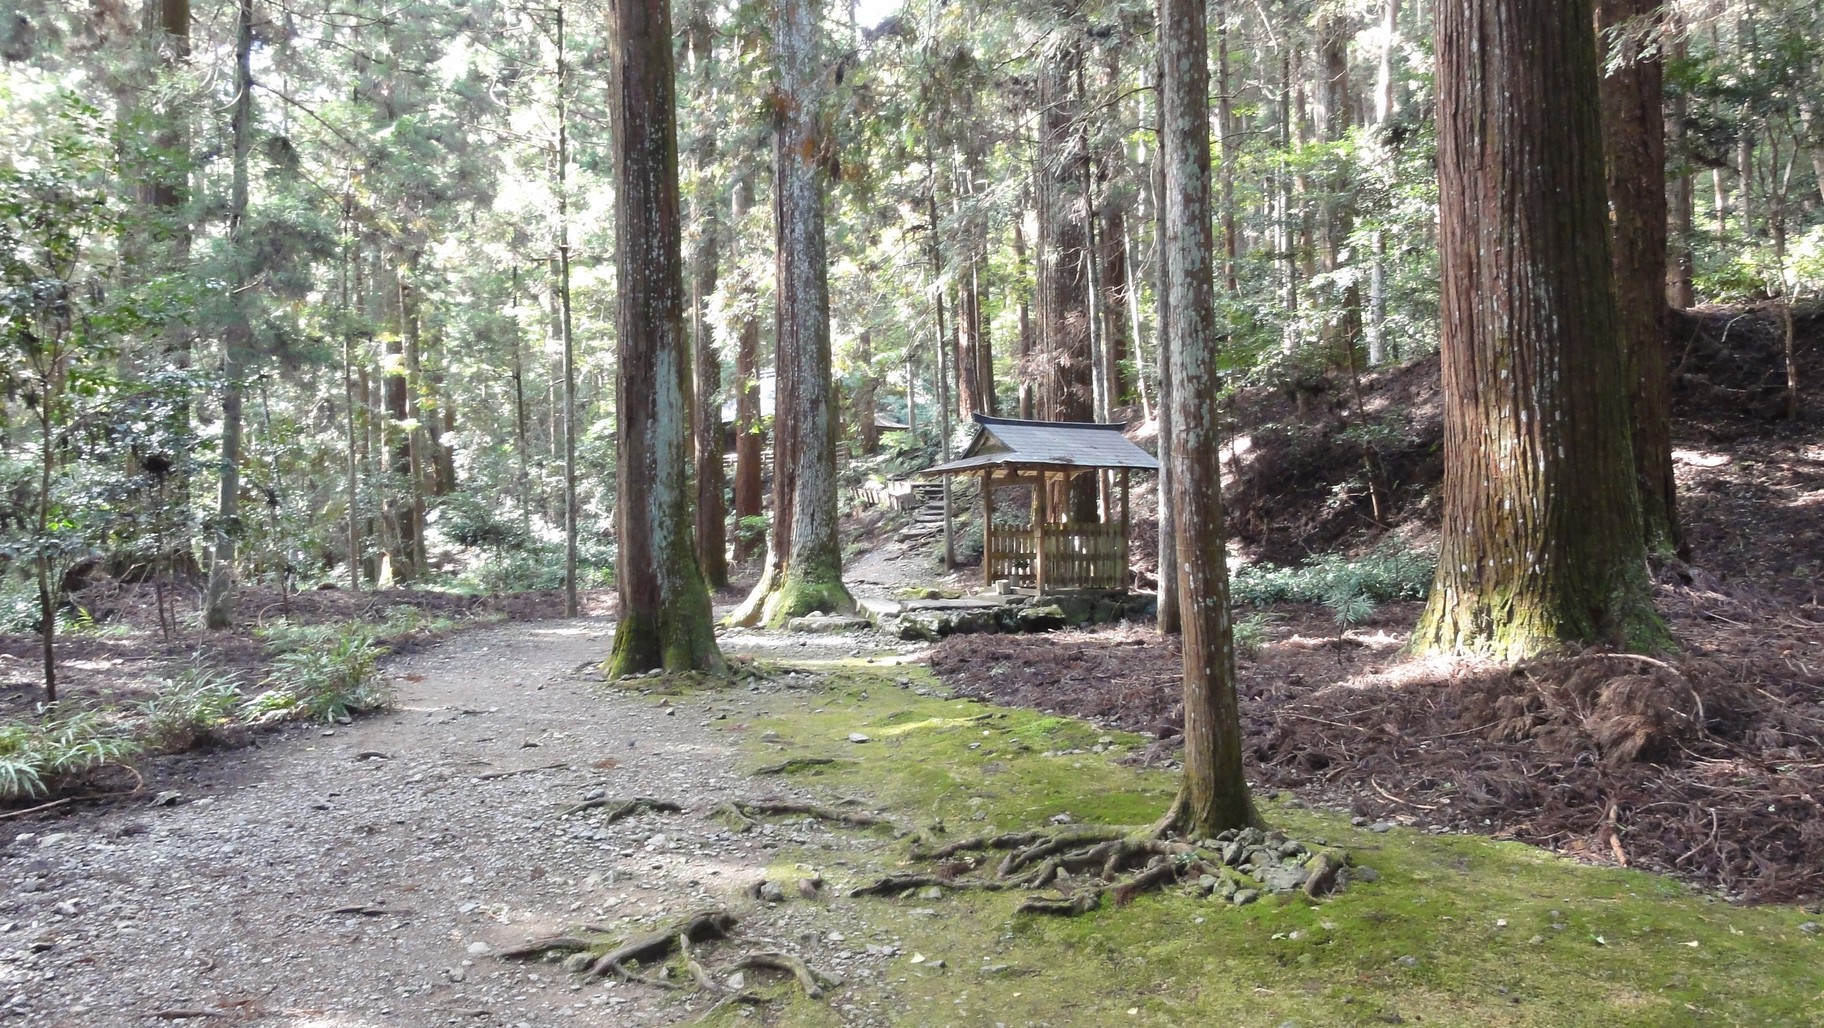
<point x="194" y="704"/>
<point x="324" y="679"/>
<point x="1351" y="588"/>
<point x="35" y="756"/>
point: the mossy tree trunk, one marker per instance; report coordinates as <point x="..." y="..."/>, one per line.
<point x="1541" y="538"/>
<point x="804" y="555"/>
<point x="665" y="610"/>
<point x="1634" y="142"/>
<point x="1214" y="796"/>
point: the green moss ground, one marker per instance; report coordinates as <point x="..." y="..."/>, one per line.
<point x="1458" y="931"/>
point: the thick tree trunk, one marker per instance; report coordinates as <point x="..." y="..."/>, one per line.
<point x="218" y="598"/>
<point x="1634" y="142"/>
<point x="804" y="572"/>
<point x="1214" y="796"/>
<point x="1541" y="537"/>
<point x="712" y="509"/>
<point x="665" y="611"/>
<point x="866" y="396"/>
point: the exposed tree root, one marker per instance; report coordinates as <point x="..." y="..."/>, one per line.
<point x="798" y="764"/>
<point x="746" y="813"/>
<point x="676" y="938"/>
<point x="1086" y="863"/>
<point x="619" y="809"/>
<point x="813" y="981"/>
<point x="893" y="885"/>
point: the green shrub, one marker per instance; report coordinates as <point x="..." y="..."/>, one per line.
<point x="1251" y="633"/>
<point x="326" y="681"/>
<point x="195" y="704"/>
<point x="36" y="756"/>
<point x="1391" y="571"/>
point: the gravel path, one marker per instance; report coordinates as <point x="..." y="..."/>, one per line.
<point x="363" y="876"/>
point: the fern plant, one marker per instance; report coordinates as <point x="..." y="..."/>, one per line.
<point x="36" y="756"/>
<point x="192" y="705"/>
<point x="329" y="681"/>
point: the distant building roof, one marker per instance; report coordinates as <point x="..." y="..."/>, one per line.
<point x="1010" y="442"/>
<point x="768" y="383"/>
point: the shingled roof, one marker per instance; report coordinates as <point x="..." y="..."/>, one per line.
<point x="1010" y="442"/>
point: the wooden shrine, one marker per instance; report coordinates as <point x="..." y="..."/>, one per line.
<point x="1051" y="552"/>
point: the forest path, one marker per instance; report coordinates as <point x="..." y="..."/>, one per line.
<point x="363" y="875"/>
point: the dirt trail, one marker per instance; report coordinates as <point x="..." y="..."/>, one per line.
<point x="361" y="876"/>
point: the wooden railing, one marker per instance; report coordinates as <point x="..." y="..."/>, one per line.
<point x="1076" y="556"/>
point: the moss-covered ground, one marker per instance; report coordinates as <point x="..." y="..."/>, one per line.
<point x="1456" y="931"/>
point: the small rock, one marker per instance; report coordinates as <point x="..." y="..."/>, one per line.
<point x="737" y="981"/>
<point x="1381" y="827"/>
<point x="576" y="963"/>
<point x="657" y="842"/>
<point x="479" y="949"/>
<point x="1243" y="897"/>
<point x="66" y="908"/>
<point x="1365" y="873"/>
<point x="168" y="798"/>
<point x="857" y="737"/>
<point x="931" y="892"/>
<point x="807" y="887"/>
<point x="594" y="794"/>
<point x="1408" y="961"/>
<point x="1810" y="928"/>
<point x="771" y="892"/>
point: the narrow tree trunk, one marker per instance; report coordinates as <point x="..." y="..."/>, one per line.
<point x="1067" y="391"/>
<point x="1170" y="609"/>
<point x="665" y="610"/>
<point x="571" y="605"/>
<point x="415" y="442"/>
<point x="1680" y="290"/>
<point x="1633" y="136"/>
<point x="750" y="436"/>
<point x="1541" y="538"/>
<point x="1214" y="796"/>
<point x="218" y="598"/>
<point x="805" y="563"/>
<point x="712" y="510"/>
<point x="1028" y="399"/>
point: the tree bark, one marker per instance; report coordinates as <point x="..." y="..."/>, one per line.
<point x="1169" y="619"/>
<point x="1634" y="143"/>
<point x="804" y="571"/>
<point x="750" y="431"/>
<point x="1067" y="389"/>
<point x="218" y="597"/>
<point x="712" y="510"/>
<point x="1214" y="795"/>
<point x="665" y="610"/>
<point x="1541" y="538"/>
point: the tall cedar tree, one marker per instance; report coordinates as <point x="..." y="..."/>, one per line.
<point x="1634" y="141"/>
<point x="1214" y="796"/>
<point x="237" y="337"/>
<point x="804" y="560"/>
<point x="712" y="510"/>
<point x="665" y="611"/>
<point x="749" y="429"/>
<point x="1541" y="538"/>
